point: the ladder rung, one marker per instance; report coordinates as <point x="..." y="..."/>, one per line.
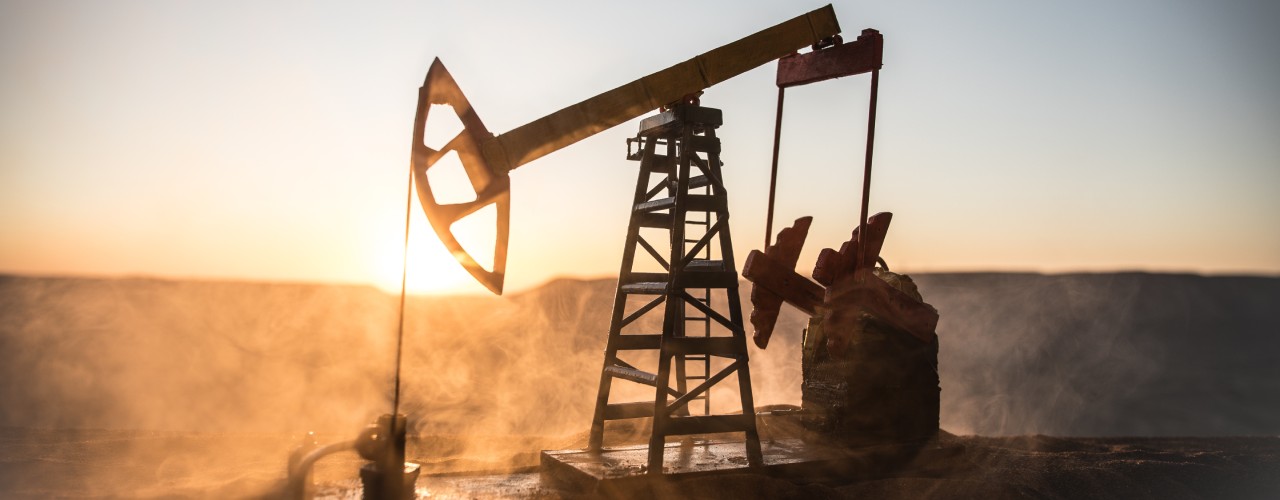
<point x="704" y="144"/>
<point x="661" y="221"/>
<point x="707" y="279"/>
<point x="705" y="424"/>
<point x="632" y="374"/>
<point x="659" y="163"/>
<point x="715" y="346"/>
<point x="656" y="205"/>
<point x="693" y="203"/>
<point x="697" y="222"/>
<point x="705" y="265"/>
<point x="693" y="277"/>
<point x="705" y="203"/>
<point x="697" y="182"/>
<point x="648" y="287"/>
<point x="636" y="342"/>
<point x="618" y="411"/>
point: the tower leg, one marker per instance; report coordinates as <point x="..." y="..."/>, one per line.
<point x="690" y="161"/>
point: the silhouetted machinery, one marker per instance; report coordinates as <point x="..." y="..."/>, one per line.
<point x="688" y="283"/>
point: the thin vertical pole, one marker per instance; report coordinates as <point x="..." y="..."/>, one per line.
<point x="866" y="171"/>
<point x="404" y="274"/>
<point x="392" y="463"/>
<point x="773" y="172"/>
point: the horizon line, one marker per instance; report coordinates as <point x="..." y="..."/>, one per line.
<point x="553" y="279"/>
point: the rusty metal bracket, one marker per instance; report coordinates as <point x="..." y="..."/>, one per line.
<point x="833" y="61"/>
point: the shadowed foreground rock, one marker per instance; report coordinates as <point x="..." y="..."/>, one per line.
<point x="882" y="389"/>
<point x="47" y="464"/>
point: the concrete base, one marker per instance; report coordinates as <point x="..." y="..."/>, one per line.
<point x="625" y="468"/>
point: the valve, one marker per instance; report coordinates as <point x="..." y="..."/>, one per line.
<point x="387" y="476"/>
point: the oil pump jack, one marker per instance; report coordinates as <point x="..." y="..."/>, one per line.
<point x="681" y="195"/>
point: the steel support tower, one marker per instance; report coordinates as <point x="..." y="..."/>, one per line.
<point x="702" y="341"/>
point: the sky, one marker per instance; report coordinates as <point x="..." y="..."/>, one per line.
<point x="270" y="140"/>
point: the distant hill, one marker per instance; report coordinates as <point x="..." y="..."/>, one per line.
<point x="1076" y="354"/>
<point x="1108" y="354"/>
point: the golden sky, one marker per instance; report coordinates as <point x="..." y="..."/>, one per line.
<point x="270" y="141"/>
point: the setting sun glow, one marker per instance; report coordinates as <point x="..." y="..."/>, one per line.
<point x="231" y="141"/>
<point x="431" y="269"/>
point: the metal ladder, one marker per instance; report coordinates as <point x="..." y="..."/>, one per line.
<point x="698" y="364"/>
<point x="675" y="145"/>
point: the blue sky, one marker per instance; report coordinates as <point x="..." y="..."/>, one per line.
<point x="270" y="140"/>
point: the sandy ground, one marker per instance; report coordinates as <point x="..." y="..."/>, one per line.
<point x="246" y="364"/>
<point x="113" y="464"/>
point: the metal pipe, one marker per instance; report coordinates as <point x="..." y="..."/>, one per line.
<point x="773" y="172"/>
<point x="404" y="279"/>
<point x="866" y="172"/>
<point x="299" y="482"/>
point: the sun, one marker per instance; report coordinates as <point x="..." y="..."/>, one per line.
<point x="429" y="268"/>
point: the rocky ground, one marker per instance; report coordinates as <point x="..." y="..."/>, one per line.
<point x="114" y="464"/>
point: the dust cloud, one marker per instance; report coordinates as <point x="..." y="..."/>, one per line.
<point x="226" y="377"/>
<point x="1107" y="354"/>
